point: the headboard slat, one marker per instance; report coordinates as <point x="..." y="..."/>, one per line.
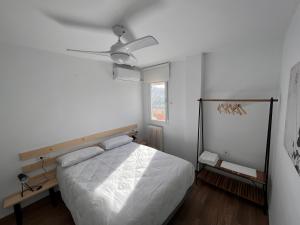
<point x="39" y="165"/>
<point x="74" y="143"/>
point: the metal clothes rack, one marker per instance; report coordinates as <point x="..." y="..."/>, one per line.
<point x="262" y="177"/>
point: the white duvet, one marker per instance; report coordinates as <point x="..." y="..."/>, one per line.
<point x="130" y="185"/>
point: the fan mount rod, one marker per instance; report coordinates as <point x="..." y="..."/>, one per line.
<point x="119" y="30"/>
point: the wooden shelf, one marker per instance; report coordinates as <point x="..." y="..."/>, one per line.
<point x="17" y="198"/>
<point x="260" y="176"/>
<point x="241" y="189"/>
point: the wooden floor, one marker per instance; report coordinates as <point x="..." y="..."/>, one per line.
<point x="205" y="205"/>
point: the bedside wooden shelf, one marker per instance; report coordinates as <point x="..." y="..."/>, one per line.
<point x="16" y="198"/>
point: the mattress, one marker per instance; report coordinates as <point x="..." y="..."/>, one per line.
<point x="129" y="185"/>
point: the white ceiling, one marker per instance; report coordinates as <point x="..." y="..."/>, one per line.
<point x="183" y="27"/>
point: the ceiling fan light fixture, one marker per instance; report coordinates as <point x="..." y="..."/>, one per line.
<point x="120" y="57"/>
<point x="121" y="52"/>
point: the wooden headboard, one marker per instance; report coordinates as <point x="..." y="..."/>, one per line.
<point x="46" y="159"/>
<point x="50" y="153"/>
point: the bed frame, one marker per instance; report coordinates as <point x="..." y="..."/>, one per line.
<point x="173" y="213"/>
<point x="43" y="170"/>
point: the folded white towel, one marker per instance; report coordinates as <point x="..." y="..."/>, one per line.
<point x="209" y="158"/>
<point x="239" y="169"/>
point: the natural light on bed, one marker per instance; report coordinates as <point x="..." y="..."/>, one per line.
<point x="121" y="183"/>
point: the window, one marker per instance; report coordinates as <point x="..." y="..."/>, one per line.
<point x="158" y="92"/>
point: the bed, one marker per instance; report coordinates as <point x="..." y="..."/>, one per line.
<point x="130" y="185"/>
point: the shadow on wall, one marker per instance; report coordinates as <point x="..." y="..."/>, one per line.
<point x="130" y="10"/>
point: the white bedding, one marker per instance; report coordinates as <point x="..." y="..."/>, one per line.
<point x="130" y="185"/>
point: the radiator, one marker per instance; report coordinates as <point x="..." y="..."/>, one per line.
<point x="155" y="137"/>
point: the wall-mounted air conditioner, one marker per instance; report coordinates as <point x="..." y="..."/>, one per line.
<point x="126" y="73"/>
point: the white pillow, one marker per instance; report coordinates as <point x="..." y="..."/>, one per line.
<point x="115" y="142"/>
<point x="78" y="156"/>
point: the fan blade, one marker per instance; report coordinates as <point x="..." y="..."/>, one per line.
<point x="105" y="53"/>
<point x="139" y="44"/>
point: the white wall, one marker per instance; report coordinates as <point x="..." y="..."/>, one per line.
<point x="180" y="131"/>
<point x="174" y="129"/>
<point x="285" y="182"/>
<point x="238" y="70"/>
<point x="241" y="70"/>
<point x="193" y="86"/>
<point x="47" y="98"/>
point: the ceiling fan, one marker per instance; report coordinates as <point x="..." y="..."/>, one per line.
<point x="120" y="52"/>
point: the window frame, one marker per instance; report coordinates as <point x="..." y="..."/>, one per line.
<point x="166" y="103"/>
